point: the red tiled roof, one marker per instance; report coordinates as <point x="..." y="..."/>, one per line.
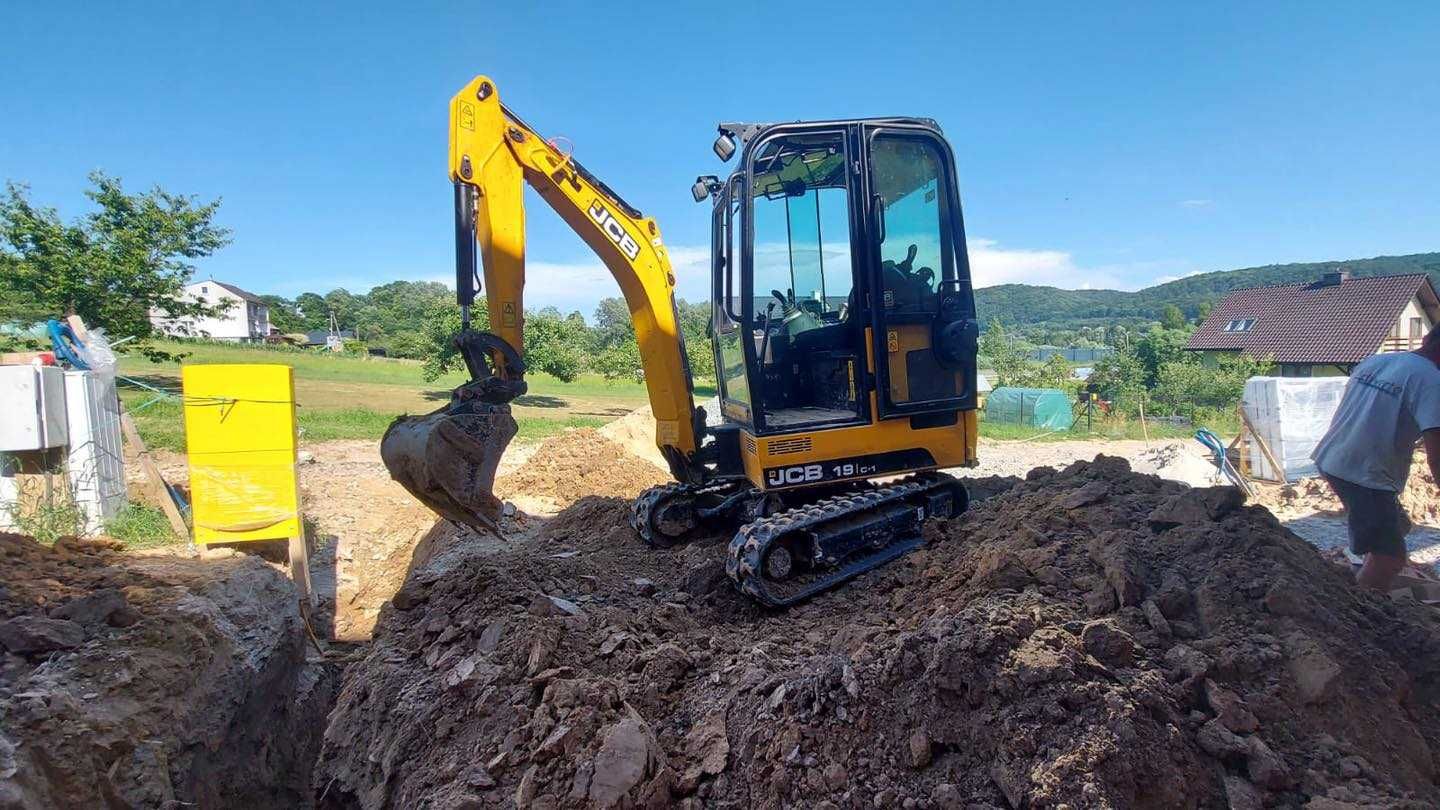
<point x="1313" y="323"/>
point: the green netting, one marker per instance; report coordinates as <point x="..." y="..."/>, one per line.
<point x="1036" y="407"/>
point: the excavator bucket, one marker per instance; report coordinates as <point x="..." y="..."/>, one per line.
<point x="448" y="460"/>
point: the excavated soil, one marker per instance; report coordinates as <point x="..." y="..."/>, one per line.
<point x="577" y="463"/>
<point x="1311" y="495"/>
<point x="153" y="681"/>
<point x="1090" y="637"/>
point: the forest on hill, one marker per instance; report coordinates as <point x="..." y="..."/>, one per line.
<point x="1024" y="304"/>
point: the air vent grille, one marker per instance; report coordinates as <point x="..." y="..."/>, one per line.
<point x="785" y="447"/>
<point x="749" y="444"/>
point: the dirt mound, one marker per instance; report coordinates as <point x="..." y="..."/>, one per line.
<point x="152" y="681"/>
<point x="635" y="431"/>
<point x="1421" y="497"/>
<point x="579" y="462"/>
<point x="1178" y="461"/>
<point x="1092" y="637"/>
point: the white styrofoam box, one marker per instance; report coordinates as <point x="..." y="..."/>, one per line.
<point x="32" y="408"/>
<point x="95" y="463"/>
<point x="1291" y="414"/>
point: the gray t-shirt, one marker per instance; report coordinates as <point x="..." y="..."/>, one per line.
<point x="1390" y="400"/>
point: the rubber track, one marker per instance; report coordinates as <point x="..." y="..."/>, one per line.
<point x="642" y="512"/>
<point x="748" y="548"/>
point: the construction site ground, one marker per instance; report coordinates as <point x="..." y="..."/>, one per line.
<point x="364" y="527"/>
<point x="1088" y="635"/>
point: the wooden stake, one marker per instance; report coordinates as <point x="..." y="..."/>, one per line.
<point x="1264" y="448"/>
<point x="1144" y="430"/>
<point x="300" y="569"/>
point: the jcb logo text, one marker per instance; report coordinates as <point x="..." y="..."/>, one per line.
<point x="794" y="475"/>
<point x="614" y="230"/>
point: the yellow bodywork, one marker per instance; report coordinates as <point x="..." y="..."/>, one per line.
<point x="241" y="440"/>
<point x="949" y="446"/>
<point x="496" y="153"/>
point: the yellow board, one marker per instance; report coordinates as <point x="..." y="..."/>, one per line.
<point x="240" y="437"/>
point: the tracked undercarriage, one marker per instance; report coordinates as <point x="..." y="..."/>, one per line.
<point x="784" y="552"/>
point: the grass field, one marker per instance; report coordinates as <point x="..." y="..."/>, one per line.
<point x="343" y="397"/>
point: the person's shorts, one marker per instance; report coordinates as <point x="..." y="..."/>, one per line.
<point x="1377" y="522"/>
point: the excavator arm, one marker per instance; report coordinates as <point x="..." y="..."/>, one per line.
<point x="448" y="458"/>
<point x="491" y="152"/>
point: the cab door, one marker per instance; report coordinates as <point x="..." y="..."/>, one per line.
<point x="727" y="322"/>
<point x="922" y="307"/>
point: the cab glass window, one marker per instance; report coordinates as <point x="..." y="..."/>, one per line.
<point x="801" y="221"/>
<point x="915" y="253"/>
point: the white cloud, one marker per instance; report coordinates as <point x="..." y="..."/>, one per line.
<point x="579" y="286"/>
<point x="1196" y="203"/>
<point x="991" y="264"/>
<point x="1168" y="279"/>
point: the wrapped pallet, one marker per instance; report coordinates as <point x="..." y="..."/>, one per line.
<point x="96" y="464"/>
<point x="1290" y="415"/>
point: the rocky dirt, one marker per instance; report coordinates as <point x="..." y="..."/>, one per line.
<point x="1090" y="637"/>
<point x="153" y="681"/>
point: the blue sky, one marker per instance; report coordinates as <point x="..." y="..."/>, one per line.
<point x="1099" y="145"/>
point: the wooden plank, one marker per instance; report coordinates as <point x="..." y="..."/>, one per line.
<point x="300" y="570"/>
<point x="152" y="471"/>
<point x="1264" y="448"/>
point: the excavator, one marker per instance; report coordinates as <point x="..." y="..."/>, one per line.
<point x="843" y="328"/>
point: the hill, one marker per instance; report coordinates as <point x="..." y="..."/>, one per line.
<point x="1026" y="304"/>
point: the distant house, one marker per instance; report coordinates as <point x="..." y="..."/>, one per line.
<point x="245" y="317"/>
<point x="1323" y="328"/>
<point x="321" y="337"/>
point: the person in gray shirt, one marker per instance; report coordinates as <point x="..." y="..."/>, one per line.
<point x="1391" y="402"/>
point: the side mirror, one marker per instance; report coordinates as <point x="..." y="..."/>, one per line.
<point x="724" y="146"/>
<point x="705" y="185"/>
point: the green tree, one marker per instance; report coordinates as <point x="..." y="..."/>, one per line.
<point x="282" y="314"/>
<point x="612" y="323"/>
<point x="1172" y="318"/>
<point x="313" y="312"/>
<point x="1158" y="347"/>
<point x="616" y="356"/>
<point x="1120" y="378"/>
<point x="1190" y="388"/>
<point x="344" y="305"/>
<point x="556" y="344"/>
<point x="440" y="331"/>
<point x="619" y="362"/>
<point x="1007" y="356"/>
<point x="112" y="266"/>
<point x="695" y="326"/>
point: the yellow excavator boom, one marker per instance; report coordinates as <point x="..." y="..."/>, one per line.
<point x="493" y="151"/>
<point x="448" y="459"/>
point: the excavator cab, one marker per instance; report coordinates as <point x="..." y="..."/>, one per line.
<point x="841" y="301"/>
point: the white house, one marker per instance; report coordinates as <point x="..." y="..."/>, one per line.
<point x="245" y="317"/>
